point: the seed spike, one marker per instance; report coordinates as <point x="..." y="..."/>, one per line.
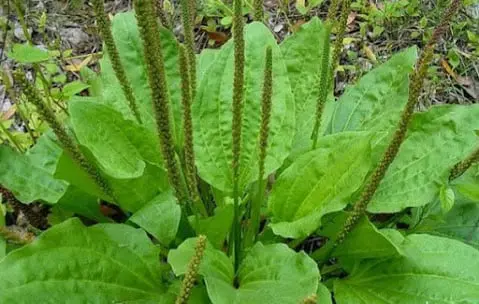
<point x="258" y="10"/>
<point x="192" y="271"/>
<point x="238" y="85"/>
<point x="415" y="86"/>
<point x="461" y="167"/>
<point x="324" y="84"/>
<point x="333" y="10"/>
<point x="266" y="105"/>
<point x="338" y="43"/>
<point x="66" y="140"/>
<point x="187" y="15"/>
<point x="104" y="26"/>
<point x="149" y="32"/>
<point x="189" y="153"/>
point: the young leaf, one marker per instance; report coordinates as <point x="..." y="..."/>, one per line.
<point x="120" y="146"/>
<point x="160" y="217"/>
<point x="268" y="274"/>
<point x="212" y="115"/>
<point x="436" y="141"/>
<point x="74" y="88"/>
<point x="446" y="197"/>
<point x="375" y="103"/>
<point x="461" y="223"/>
<point x="302" y="53"/>
<point x="216" y="227"/>
<point x="107" y="263"/>
<point x="30" y="176"/>
<point x="27" y="53"/>
<point x="127" y="39"/>
<point x="433" y="270"/>
<point x="319" y="182"/>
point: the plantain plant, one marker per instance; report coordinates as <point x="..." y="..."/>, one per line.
<point x="243" y="179"/>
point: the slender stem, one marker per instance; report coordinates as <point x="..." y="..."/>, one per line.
<point x="11" y="138"/>
<point x="5" y="31"/>
<point x="238" y="86"/>
<point x="263" y="144"/>
<point x="21" y="19"/>
<point x="46" y="89"/>
<point x="104" y="26"/>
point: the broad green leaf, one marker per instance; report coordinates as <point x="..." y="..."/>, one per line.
<point x="302" y="54"/>
<point x="130" y="194"/>
<point x="212" y="115"/>
<point x="461" y="222"/>
<point x="215" y="227"/>
<point x="30" y="176"/>
<point x="433" y="270"/>
<point x="324" y="296"/>
<point x="319" y="182"/>
<point x="69" y="263"/>
<point x="74" y="88"/>
<point x="160" y="217"/>
<point x="204" y="61"/>
<point x="26" y="53"/>
<point x="127" y="39"/>
<point x="120" y="146"/>
<point x="363" y="242"/>
<point x="468" y="183"/>
<point x="375" y="103"/>
<point x="435" y="142"/>
<point x="268" y="274"/>
<point x="79" y="202"/>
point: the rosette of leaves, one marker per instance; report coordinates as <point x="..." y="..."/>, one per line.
<point x="144" y="259"/>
